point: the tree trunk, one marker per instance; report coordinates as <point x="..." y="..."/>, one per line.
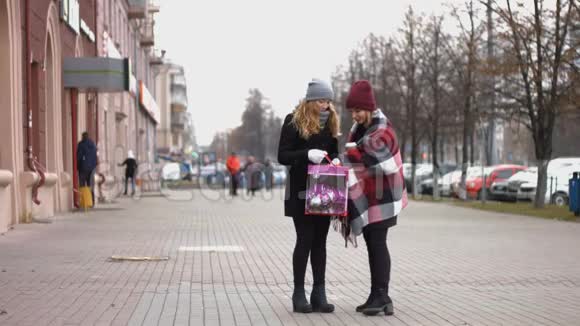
<point x="542" y="183"/>
<point x="414" y="152"/>
<point x="414" y="162"/>
<point x="465" y="158"/>
<point x="435" y="163"/>
<point x="456" y="151"/>
<point x="435" y="139"/>
<point x="442" y="146"/>
<point x="543" y="144"/>
<point x="472" y="147"/>
<point x="403" y="146"/>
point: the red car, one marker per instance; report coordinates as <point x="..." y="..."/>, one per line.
<point x="492" y="174"/>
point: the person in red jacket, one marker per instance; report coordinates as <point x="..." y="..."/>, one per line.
<point x="233" y="166"/>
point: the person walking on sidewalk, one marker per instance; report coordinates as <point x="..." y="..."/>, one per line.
<point x="377" y="191"/>
<point x="87" y="162"/>
<point x="253" y="171"/>
<point x="308" y="135"/>
<point x="130" y="171"/>
<point x="233" y="166"/>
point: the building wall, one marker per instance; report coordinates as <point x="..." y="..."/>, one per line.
<point x="124" y="124"/>
<point x="52" y="40"/>
<point x="11" y="161"/>
<point x="168" y="139"/>
<point x="114" y="121"/>
<point x="163" y="93"/>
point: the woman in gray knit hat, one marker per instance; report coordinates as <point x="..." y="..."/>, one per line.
<point x="308" y="135"/>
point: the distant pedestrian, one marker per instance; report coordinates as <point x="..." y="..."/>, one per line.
<point x="308" y="135"/>
<point x="87" y="162"/>
<point x="253" y="171"/>
<point x="376" y="191"/>
<point x="233" y="166"/>
<point x="130" y="171"/>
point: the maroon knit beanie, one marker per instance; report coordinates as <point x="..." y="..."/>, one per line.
<point x="361" y="96"/>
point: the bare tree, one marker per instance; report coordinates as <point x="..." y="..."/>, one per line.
<point x="466" y="60"/>
<point x="539" y="60"/>
<point x="434" y="67"/>
<point x="406" y="71"/>
<point x="259" y="126"/>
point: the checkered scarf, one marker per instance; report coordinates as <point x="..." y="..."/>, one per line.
<point x="376" y="183"/>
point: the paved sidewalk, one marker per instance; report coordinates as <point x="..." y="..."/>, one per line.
<point x="451" y="266"/>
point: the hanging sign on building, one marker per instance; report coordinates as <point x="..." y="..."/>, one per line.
<point x="70" y="13"/>
<point x="148" y="103"/>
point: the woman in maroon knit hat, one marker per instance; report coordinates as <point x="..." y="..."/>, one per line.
<point x="376" y="189"/>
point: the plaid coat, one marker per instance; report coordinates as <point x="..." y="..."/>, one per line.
<point x="376" y="183"/>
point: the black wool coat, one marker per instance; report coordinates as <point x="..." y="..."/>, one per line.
<point x="293" y="152"/>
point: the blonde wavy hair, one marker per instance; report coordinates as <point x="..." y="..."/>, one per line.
<point x="307" y="119"/>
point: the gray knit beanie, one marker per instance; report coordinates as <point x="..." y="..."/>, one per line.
<point x="319" y="90"/>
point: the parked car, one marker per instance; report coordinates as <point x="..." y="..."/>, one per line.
<point x="558" y="185"/>
<point x="445" y="181"/>
<point x="502" y="172"/>
<point x="556" y="189"/>
<point x="559" y="172"/>
<point x="423" y="171"/>
<point x="173" y="171"/>
<point x="279" y="175"/>
<point x="516" y="181"/>
<point x="499" y="190"/>
<point x="456" y="182"/>
<point x="214" y="174"/>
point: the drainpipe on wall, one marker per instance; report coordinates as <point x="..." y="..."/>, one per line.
<point x="137" y="94"/>
<point x="96" y="26"/>
<point x="32" y="163"/>
<point x="101" y="175"/>
<point x="74" y="118"/>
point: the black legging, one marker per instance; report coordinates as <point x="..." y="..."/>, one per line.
<point x="311" y="233"/>
<point x="379" y="257"/>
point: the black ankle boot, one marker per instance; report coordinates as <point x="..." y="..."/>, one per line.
<point x="369" y="300"/>
<point x="380" y="303"/>
<point x="318" y="300"/>
<point x="299" y="302"/>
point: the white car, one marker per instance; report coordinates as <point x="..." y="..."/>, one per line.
<point x="171" y="171"/>
<point x="560" y="171"/>
<point x="522" y="185"/>
<point x="447" y="180"/>
<point x="420" y="169"/>
<point x="279" y="174"/>
<point x="472" y="171"/>
<point x="444" y="182"/>
<point x="422" y="172"/>
<point x="557" y="188"/>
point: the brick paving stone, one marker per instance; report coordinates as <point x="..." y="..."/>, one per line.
<point x="451" y="266"/>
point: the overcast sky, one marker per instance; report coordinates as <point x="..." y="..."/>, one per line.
<point x="230" y="46"/>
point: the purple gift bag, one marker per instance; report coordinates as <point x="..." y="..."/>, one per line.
<point x="326" y="190"/>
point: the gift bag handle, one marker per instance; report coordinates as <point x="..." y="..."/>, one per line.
<point x="329" y="160"/>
